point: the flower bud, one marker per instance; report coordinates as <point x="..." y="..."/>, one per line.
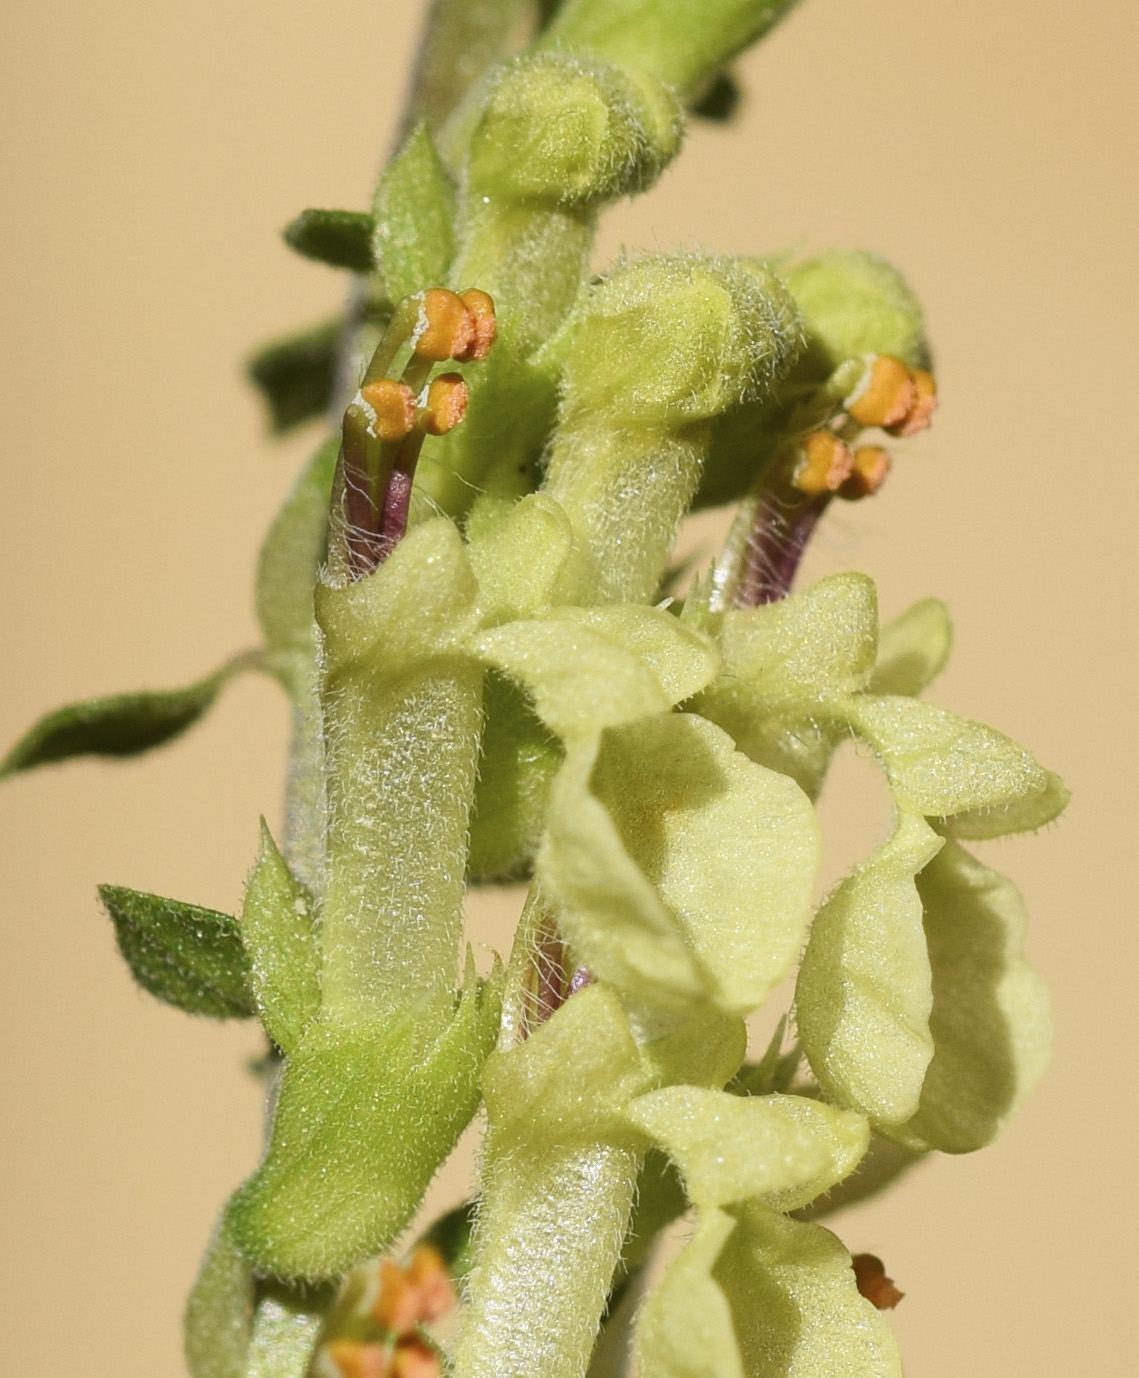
<point x="667" y="341"/>
<point x="567" y="130"/>
<point x="854" y="303"/>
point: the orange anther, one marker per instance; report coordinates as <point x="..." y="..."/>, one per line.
<point x="446" y="404"/>
<point x="393" y="408"/>
<point x="354" y="1359"/>
<point x="481" y="306"/>
<point x="428" y="1272"/>
<point x="396" y="1308"/>
<point x="871" y="1280"/>
<point x="824" y="463"/>
<point x="867" y="474"/>
<point x="884" y="394"/>
<point x="414" y="1359"/>
<point x="921" y="409"/>
<point x="445" y="328"/>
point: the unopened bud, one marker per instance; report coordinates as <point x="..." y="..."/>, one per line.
<point x="824" y="464"/>
<point x="446" y="404"/>
<point x="392" y="407"/>
<point x="353" y="1359"/>
<point x="445" y="328"/>
<point x="884" y="394"/>
<point x="923" y="406"/>
<point x="481" y="306"/>
<point x="867" y="474"/>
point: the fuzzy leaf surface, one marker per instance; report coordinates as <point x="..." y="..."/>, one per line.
<point x="913" y="649"/>
<point x="991" y="1020"/>
<point x="218" y="1322"/>
<point x="186" y="956"/>
<point x="278" y="926"/>
<point x="412" y="234"/>
<point x="680" y="868"/>
<point x="366" y="1114"/>
<point x="795" y="1306"/>
<point x="783" y="1150"/>
<point x="342" y="239"/>
<point x="864" y="994"/>
<point x="119" y="725"/>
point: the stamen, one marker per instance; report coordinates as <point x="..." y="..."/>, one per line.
<point x="445" y="328"/>
<point x="446" y="404"/>
<point x="415" y="1359"/>
<point x="397" y="1307"/>
<point x="481" y="306"/>
<point x="428" y="1271"/>
<point x="823" y="464"/>
<point x="867" y="474"/>
<point x="354" y="1359"/>
<point x="884" y="394"/>
<point x="393" y="405"/>
<point x="922" y="408"/>
<point x="871" y="1280"/>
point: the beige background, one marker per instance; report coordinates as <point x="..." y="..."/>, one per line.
<point x="151" y="153"/>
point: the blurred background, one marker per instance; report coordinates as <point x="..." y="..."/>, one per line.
<point x="151" y="153"/>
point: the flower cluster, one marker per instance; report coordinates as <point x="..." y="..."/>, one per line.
<point x="467" y="599"/>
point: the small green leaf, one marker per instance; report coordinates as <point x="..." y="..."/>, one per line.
<point x="279" y="932"/>
<point x="412" y="234"/>
<point x="864" y="994"/>
<point x="218" y="1322"/>
<point x="119" y="725"/>
<point x="783" y="1150"/>
<point x="297" y="375"/>
<point x="186" y="956"/>
<point x="367" y="1113"/>
<point x="991" y="1021"/>
<point x="913" y="649"/>
<point x="342" y="239"/>
<point x="720" y="101"/>
<point x="291" y="554"/>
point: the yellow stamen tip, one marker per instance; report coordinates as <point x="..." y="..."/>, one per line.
<point x="884" y="394"/>
<point x="824" y="463"/>
<point x="446" y="404"/>
<point x="445" y="329"/>
<point x="354" y="1359"/>
<point x="922" y="408"/>
<point x="429" y="1273"/>
<point x="481" y="306"/>
<point x="393" y="408"/>
<point x="414" y="1359"/>
<point x="867" y="473"/>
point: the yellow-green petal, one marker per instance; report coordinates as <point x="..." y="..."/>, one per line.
<point x="864" y="994"/>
